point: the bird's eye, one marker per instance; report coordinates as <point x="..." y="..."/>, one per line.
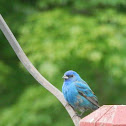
<point x="70" y="76"/>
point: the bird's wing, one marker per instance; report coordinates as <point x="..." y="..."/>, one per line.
<point x="86" y="92"/>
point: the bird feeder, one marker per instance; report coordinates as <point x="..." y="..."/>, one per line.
<point x="107" y="115"/>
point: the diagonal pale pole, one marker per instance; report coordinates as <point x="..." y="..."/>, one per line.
<point x="34" y="72"/>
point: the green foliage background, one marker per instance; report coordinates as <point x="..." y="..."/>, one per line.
<point x="58" y="35"/>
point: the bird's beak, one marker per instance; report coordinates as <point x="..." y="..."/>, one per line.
<point x="65" y="77"/>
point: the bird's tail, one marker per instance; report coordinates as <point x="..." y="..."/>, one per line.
<point x="96" y="107"/>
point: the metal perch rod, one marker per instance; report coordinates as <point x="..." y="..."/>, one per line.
<point x="34" y="72"/>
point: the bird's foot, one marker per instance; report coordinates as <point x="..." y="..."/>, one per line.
<point x="80" y="115"/>
<point x="75" y="115"/>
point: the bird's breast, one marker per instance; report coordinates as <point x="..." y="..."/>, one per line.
<point x="70" y="93"/>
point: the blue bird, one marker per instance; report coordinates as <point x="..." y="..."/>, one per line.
<point x="78" y="93"/>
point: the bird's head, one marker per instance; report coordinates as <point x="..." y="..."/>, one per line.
<point x="71" y="76"/>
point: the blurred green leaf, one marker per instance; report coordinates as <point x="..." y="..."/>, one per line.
<point x="59" y="35"/>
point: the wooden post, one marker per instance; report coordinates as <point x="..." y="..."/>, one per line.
<point x="107" y="115"/>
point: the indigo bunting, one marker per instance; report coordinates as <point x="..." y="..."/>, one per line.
<point x="78" y="93"/>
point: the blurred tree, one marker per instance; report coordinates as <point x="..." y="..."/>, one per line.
<point x="58" y="35"/>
